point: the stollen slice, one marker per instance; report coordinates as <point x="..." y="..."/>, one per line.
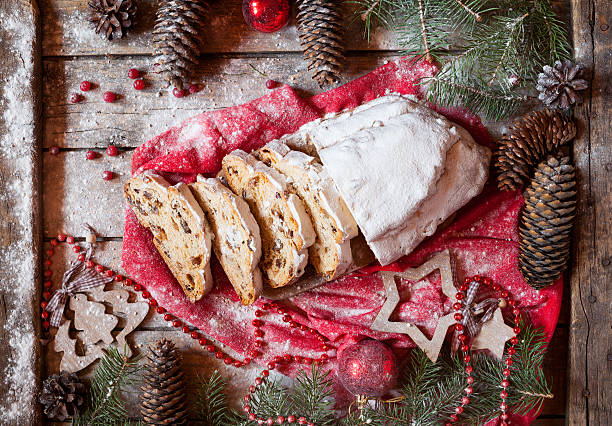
<point x="285" y="227"/>
<point x="237" y="242"/>
<point x="180" y="230"/>
<point x="333" y="223"/>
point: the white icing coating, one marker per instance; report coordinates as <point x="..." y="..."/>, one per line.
<point x="388" y="159"/>
<point x="305" y="229"/>
<point x="345" y="258"/>
<point x="465" y="176"/>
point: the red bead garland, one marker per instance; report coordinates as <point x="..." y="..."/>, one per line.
<point x="267" y="308"/>
<point x="504" y="300"/>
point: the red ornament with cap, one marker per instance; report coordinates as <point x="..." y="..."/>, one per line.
<point x="267" y="16"/>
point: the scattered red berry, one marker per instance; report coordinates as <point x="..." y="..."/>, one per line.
<point x="133" y="73"/>
<point x="139" y="84"/>
<point x="109" y="97"/>
<point x="194" y="88"/>
<point x="270" y="84"/>
<point x="75" y="98"/>
<point x="111" y="150"/>
<point x="178" y="93"/>
<point x="107" y="175"/>
<point x="54" y="150"/>
<point x="90" y="155"/>
<point x="85" y="86"/>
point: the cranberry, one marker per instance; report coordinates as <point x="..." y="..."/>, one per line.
<point x="75" y="98"/>
<point x="133" y="73"/>
<point x="111" y="150"/>
<point x="139" y="84"/>
<point x="194" y="88"/>
<point x="85" y="86"/>
<point x="90" y="155"/>
<point x="107" y="175"/>
<point x="178" y="93"/>
<point x="270" y="84"/>
<point x="109" y="97"/>
<point x="54" y="150"/>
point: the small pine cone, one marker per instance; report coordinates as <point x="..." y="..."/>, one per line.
<point x="62" y="395"/>
<point x="319" y="24"/>
<point x="559" y="85"/>
<point x="177" y="38"/>
<point x="163" y="400"/>
<point x="530" y="140"/>
<point x="112" y="17"/>
<point x="546" y="222"/>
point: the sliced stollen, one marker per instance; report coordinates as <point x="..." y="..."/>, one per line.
<point x="237" y="242"/>
<point x="333" y="223"/>
<point x="180" y="231"/>
<point x="285" y="227"/>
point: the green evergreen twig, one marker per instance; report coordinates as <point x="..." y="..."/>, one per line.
<point x="113" y="374"/>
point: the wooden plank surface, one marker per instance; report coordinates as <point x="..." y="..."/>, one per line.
<point x="20" y="240"/>
<point x="235" y="66"/>
<point x="590" y="360"/>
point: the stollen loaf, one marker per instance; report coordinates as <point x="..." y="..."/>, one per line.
<point x="401" y="168"/>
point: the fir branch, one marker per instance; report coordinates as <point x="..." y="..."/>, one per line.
<point x="114" y="372"/>
<point x="477" y="16"/>
<point x="212" y="401"/>
<point x="311" y="396"/>
<point x="424" y="31"/>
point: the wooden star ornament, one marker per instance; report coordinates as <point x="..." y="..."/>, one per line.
<point x="493" y="335"/>
<point x="431" y="347"/>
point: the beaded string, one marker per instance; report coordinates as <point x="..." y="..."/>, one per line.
<point x="196" y="334"/>
<point x="465" y="347"/>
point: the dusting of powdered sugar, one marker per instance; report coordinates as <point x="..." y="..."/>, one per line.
<point x="17" y="200"/>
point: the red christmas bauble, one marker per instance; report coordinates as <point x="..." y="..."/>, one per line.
<point x="367" y="367"/>
<point x="266" y="16"/>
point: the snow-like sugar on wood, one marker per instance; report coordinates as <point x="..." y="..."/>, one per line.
<point x="402" y="169"/>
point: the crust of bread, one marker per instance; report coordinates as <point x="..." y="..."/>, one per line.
<point x="237" y="242"/>
<point x="285" y="227"/>
<point x="180" y="230"/>
<point x="332" y="221"/>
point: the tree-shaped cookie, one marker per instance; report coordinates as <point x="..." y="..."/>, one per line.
<point x="92" y="319"/>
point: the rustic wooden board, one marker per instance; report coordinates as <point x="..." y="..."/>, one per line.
<point x="590" y="359"/>
<point x="234" y="68"/>
<point x="19" y="209"/>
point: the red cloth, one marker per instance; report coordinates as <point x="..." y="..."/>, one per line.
<point x="483" y="239"/>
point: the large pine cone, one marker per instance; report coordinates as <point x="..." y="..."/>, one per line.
<point x="177" y="38"/>
<point x="319" y="24"/>
<point x="546" y="222"/>
<point x="559" y="85"/>
<point x="112" y="17"/>
<point x="163" y="400"/>
<point x="62" y="396"/>
<point x="530" y="140"/>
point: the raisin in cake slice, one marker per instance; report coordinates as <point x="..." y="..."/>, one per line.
<point x="237" y="243"/>
<point x="180" y="231"/>
<point x="333" y="223"/>
<point x="286" y="230"/>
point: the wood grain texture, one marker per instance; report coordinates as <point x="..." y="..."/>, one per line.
<point x="590" y="360"/>
<point x="68" y="33"/>
<point x="20" y="238"/>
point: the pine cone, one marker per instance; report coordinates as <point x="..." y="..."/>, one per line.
<point x="319" y="24"/>
<point x="62" y="395"/>
<point x="163" y="400"/>
<point x="177" y="38"/>
<point x="546" y="222"/>
<point x="559" y="85"/>
<point x="530" y="140"/>
<point x="112" y="17"/>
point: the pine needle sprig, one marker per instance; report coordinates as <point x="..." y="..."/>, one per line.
<point x="211" y="401"/>
<point x="113" y="374"/>
<point x="374" y="13"/>
<point x="312" y="396"/>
